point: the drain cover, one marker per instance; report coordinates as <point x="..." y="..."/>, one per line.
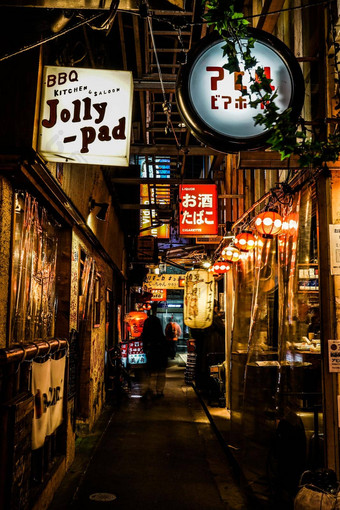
<point x="102" y="496"/>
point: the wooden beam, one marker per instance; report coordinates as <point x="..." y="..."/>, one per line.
<point x="267" y="21"/>
<point x="266" y="160"/>
<point x="154" y="85"/>
<point x="122" y="40"/>
<point x="161" y="181"/>
<point x="270" y="160"/>
<point x="171" y="150"/>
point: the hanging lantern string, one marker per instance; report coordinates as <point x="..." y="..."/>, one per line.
<point x="279" y="191"/>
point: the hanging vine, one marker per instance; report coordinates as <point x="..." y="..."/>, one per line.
<point x="286" y="136"/>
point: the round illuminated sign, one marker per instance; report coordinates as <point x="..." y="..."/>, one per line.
<point x="210" y="98"/>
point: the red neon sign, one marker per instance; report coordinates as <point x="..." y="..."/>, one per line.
<point x="198" y="210"/>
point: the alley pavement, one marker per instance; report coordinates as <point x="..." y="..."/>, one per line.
<point x="159" y="453"/>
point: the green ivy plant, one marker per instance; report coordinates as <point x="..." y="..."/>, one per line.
<point x="286" y="136"/>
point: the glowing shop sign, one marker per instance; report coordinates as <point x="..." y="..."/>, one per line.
<point x="158" y="294"/>
<point x="212" y="102"/>
<point x="198" y="299"/>
<point x="162" y="231"/>
<point x="85" y="116"/>
<point x="163" y="281"/>
<point x="198" y="210"/>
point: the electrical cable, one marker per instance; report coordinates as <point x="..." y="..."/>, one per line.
<point x="252" y="16"/>
<point x="149" y="18"/>
<point x="50" y="38"/>
<point x="107" y="25"/>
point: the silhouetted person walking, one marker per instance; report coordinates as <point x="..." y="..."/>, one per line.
<point x="154" y="345"/>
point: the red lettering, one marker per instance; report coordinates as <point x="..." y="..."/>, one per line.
<point x="215" y="79"/>
<point x="238" y="81"/>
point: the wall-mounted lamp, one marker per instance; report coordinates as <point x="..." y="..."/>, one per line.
<point x="101" y="215"/>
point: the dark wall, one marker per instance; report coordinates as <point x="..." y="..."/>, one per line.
<point x="18" y="80"/>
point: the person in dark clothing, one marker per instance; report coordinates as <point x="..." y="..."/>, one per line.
<point x="155" y="348"/>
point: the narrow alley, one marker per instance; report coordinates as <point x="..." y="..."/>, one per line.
<point x="159" y="453"/>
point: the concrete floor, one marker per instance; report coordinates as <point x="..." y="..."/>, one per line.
<point x="155" y="454"/>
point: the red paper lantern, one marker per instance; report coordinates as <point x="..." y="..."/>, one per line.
<point x="135" y="321"/>
<point x="268" y="223"/>
<point x="290" y="224"/>
<point x="220" y="267"/>
<point x="146" y="306"/>
<point x="230" y="254"/>
<point x="245" y="241"/>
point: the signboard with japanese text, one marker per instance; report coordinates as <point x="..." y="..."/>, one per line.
<point x="85" y="116"/>
<point x="334" y="248"/>
<point x="334" y="355"/>
<point x="164" y="281"/>
<point x="209" y="240"/>
<point x="198" y="299"/>
<point x="158" y="294"/>
<point x="136" y="355"/>
<point x="48" y="391"/>
<point x="198" y="210"/>
<point x="132" y="353"/>
<point x="213" y="103"/>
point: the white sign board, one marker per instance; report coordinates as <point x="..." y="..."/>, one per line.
<point x="164" y="281"/>
<point x="217" y="96"/>
<point x="48" y="391"/>
<point x="334" y="355"/>
<point x="85" y="116"/>
<point x="334" y="248"/>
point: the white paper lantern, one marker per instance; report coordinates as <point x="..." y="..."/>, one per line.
<point x="198" y="299"/>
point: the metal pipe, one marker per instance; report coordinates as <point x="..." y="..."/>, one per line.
<point x="29" y="351"/>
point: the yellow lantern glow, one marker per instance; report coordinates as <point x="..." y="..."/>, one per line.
<point x="198" y="299"/>
<point x="230" y="254"/>
<point x="290" y="224"/>
<point x="245" y="241"/>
